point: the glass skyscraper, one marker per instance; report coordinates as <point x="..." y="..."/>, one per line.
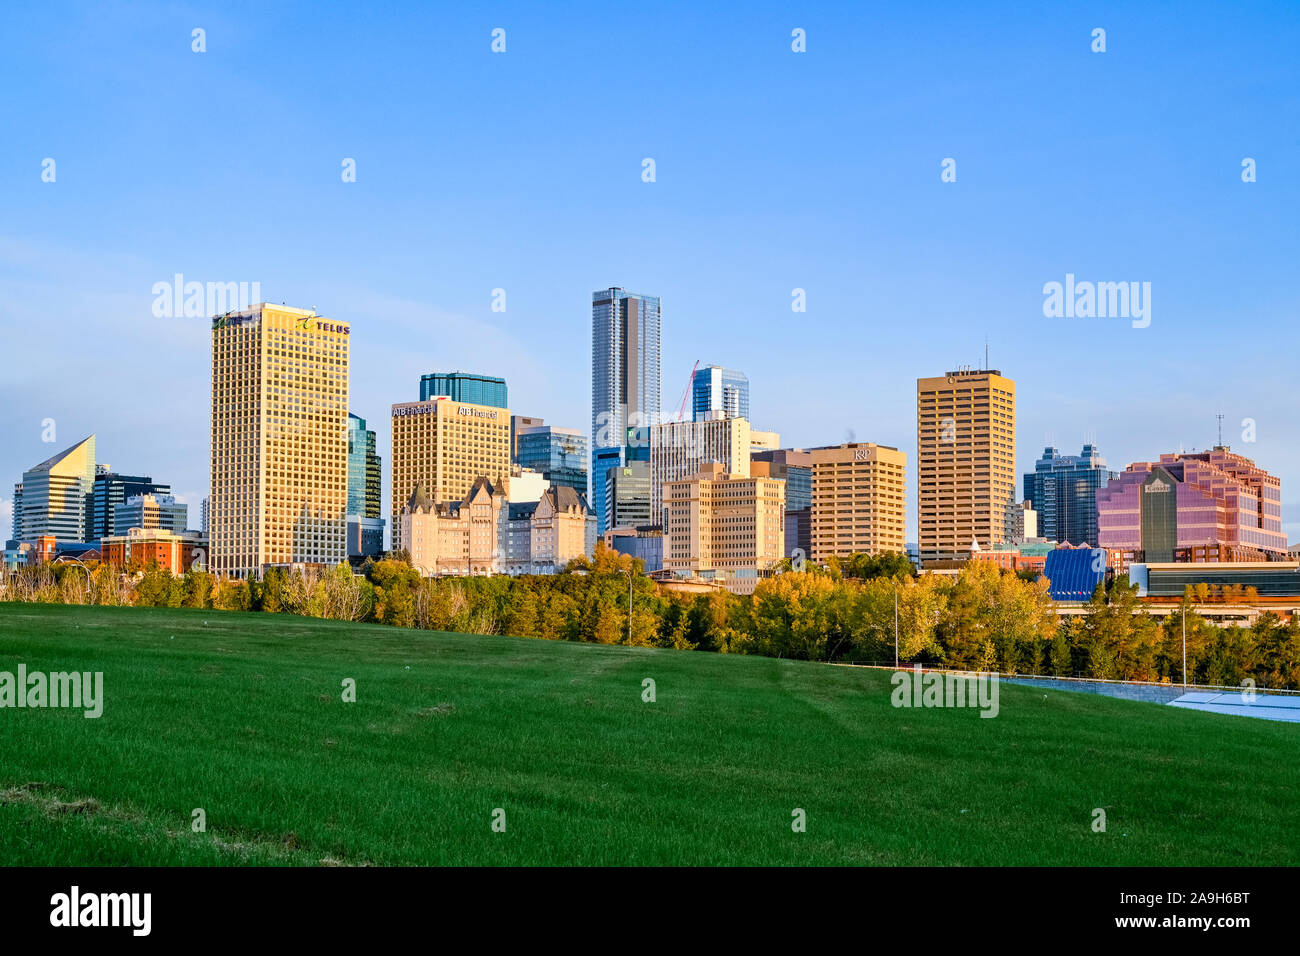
<point x="625" y="382"/>
<point x="365" y="528"/>
<point x="718" y="389"/>
<point x="112" y="490"/>
<point x="465" y="387"/>
<point x="1063" y="490"/>
<point x="560" y="454"/>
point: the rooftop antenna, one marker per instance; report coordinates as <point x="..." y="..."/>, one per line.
<point x="986" y="352"/>
<point x="1220" y="418"/>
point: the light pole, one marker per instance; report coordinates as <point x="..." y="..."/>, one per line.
<point x="1184" y="645"/>
<point x="629" y="606"/>
<point x="895" y="625"/>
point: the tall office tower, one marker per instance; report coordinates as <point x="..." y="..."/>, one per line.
<point x="150" y="512"/>
<point x="444" y="445"/>
<point x="517" y="424"/>
<point x="363" y="470"/>
<point x="1199" y="506"/>
<point x="56" y="496"/>
<point x="279" y="440"/>
<point x="966" y="462"/>
<point x="18" y="513"/>
<point x="859" y="500"/>
<point x="795" y="466"/>
<point x="680" y="449"/>
<point x="718" y="389"/>
<point x="729" y="527"/>
<point x="625" y="379"/>
<point x="203" y="516"/>
<point x="559" y="454"/>
<point x="467" y="387"/>
<point x="1063" y="490"/>
<point x="111" y="490"/>
<point x="365" y="527"/>
<point x="627" y="496"/>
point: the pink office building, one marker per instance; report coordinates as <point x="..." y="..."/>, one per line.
<point x="1205" y="506"/>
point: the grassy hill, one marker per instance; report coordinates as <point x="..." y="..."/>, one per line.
<point x="241" y="715"/>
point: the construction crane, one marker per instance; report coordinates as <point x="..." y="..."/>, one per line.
<point x="689" y="382"/>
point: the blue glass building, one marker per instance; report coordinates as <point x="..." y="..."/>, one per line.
<point x="560" y="454"/>
<point x="465" y="387"/>
<point x="718" y="389"/>
<point x="1063" y="490"/>
<point x="625" y="383"/>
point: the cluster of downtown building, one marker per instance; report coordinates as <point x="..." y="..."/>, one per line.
<point x="698" y="493"/>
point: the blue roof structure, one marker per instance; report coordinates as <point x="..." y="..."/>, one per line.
<point x="1071" y="574"/>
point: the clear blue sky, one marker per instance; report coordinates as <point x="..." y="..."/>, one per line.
<point x="775" y="170"/>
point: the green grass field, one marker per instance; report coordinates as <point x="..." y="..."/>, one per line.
<point x="241" y="715"/>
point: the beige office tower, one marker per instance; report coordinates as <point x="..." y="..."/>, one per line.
<point x="731" y="527"/>
<point x="444" y="445"/>
<point x="859" y="500"/>
<point x="279" y="440"/>
<point x="679" y="449"/>
<point x="966" y="462"/>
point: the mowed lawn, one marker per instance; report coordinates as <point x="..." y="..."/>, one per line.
<point x="241" y="715"/>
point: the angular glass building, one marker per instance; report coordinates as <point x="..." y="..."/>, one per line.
<point x="465" y="387"/>
<point x="365" y="529"/>
<point x="718" y="389"/>
<point x="625" y="383"/>
<point x="56" y="497"/>
<point x="1063" y="491"/>
<point x="559" y="454"/>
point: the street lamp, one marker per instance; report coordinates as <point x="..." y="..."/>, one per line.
<point x="895" y="625"/>
<point x="1184" y="646"/>
<point x="630" y="572"/>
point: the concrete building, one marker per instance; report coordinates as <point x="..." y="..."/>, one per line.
<point x="445" y="446"/>
<point x="859" y="500"/>
<point x="149" y="512"/>
<point x="1192" y="507"/>
<point x="279" y="440"/>
<point x="56" y="497"/>
<point x="680" y="449"/>
<point x="485" y="533"/>
<point x="469" y="388"/>
<point x="966" y="462"/>
<point x="1024" y="526"/>
<point x="625" y="381"/>
<point x="725" y="527"/>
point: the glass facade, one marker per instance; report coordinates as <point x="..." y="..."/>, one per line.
<point x="363" y="470"/>
<point x="560" y="454"/>
<point x="1063" y="491"/>
<point x="625" y="381"/>
<point x="110" y="491"/>
<point x="715" y="389"/>
<point x="465" y="387"/>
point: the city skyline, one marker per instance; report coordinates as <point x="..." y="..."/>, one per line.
<point x="847" y="210"/>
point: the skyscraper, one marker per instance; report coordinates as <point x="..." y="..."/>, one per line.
<point x="468" y="387"/>
<point x="56" y="496"/>
<point x="859" y="500"/>
<point x="445" y="446"/>
<point x="625" y="380"/>
<point x="718" y="389"/>
<point x="966" y="462"/>
<point x="1063" y="490"/>
<point x="279" y="439"/>
<point x="365" y="527"/>
<point x="111" y="490"/>
<point x="681" y="449"/>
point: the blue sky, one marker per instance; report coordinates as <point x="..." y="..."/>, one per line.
<point x="775" y="170"/>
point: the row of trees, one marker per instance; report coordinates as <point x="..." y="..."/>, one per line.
<point x="859" y="610"/>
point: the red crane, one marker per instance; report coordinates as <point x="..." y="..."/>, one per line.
<point x="689" y="382"/>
